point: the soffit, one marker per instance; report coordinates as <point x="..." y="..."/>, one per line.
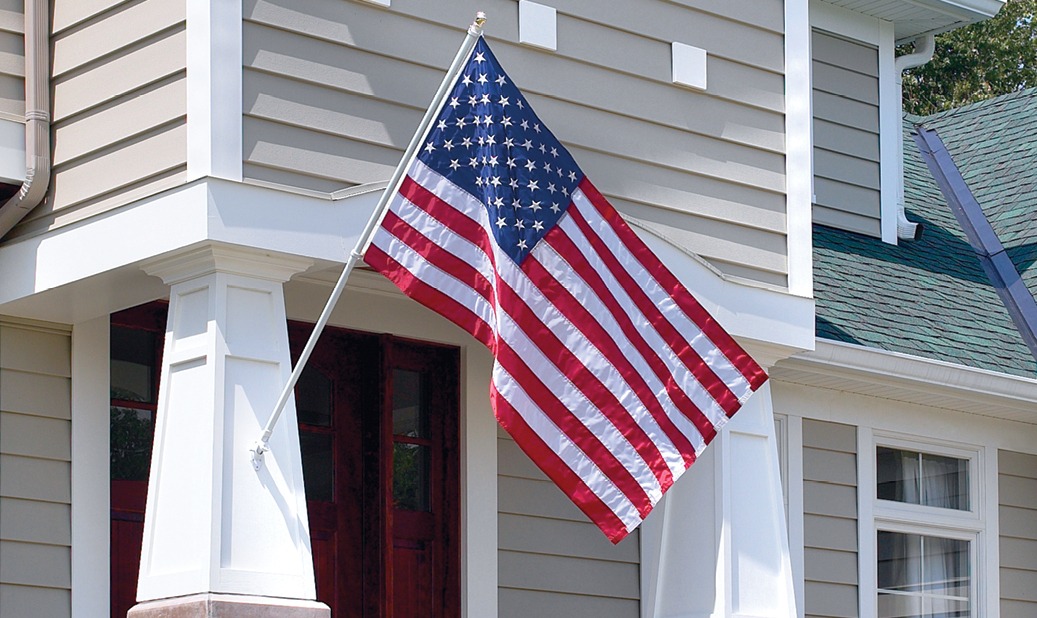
<point x="912" y="18"/>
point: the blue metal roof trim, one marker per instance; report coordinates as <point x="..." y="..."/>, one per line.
<point x="996" y="263"/>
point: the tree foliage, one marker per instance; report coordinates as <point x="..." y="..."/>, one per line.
<point x="977" y="62"/>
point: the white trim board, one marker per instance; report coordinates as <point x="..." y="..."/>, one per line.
<point x="66" y="274"/>
<point x="912" y="379"/>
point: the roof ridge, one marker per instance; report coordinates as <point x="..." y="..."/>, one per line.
<point x="972" y="107"/>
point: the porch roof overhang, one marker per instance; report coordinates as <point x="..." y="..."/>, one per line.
<point x="902" y="377"/>
<point x="914" y="18"/>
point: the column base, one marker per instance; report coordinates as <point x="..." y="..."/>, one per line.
<point x="229" y="606"/>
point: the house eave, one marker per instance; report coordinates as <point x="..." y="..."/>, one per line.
<point x="915" y="18"/>
<point x="902" y="377"/>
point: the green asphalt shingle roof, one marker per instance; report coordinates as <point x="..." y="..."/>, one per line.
<point x="930" y="297"/>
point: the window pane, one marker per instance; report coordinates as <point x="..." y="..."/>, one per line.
<point x="900" y="561"/>
<point x="132" y="364"/>
<point x="946" y="566"/>
<point x="408" y="413"/>
<point x="921" y="478"/>
<point x="410" y="477"/>
<point x="949" y="608"/>
<point x="318" y="467"/>
<point x="131" y="434"/>
<point x="945" y="482"/>
<point x="313" y="398"/>
<point x="899" y="606"/>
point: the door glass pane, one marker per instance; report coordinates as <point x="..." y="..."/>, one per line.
<point x="408" y="407"/>
<point x="313" y="397"/>
<point x="131" y="434"/>
<point x="410" y="476"/>
<point x="318" y="467"/>
<point x="132" y="365"/>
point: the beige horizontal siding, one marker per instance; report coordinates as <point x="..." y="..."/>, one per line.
<point x="1017" y="498"/>
<point x="830" y="519"/>
<point x="119" y="106"/>
<point x="551" y="560"/>
<point x="12" y="60"/>
<point x="333" y="91"/>
<point x="846" y="134"/>
<point x="35" y="472"/>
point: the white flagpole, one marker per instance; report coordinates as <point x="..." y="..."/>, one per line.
<point x="474" y="32"/>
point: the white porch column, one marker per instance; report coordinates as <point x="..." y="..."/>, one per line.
<point x="214" y="526"/>
<point x="719" y="547"/>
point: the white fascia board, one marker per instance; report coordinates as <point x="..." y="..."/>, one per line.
<point x="777" y="319"/>
<point x="929" y="376"/>
<point x="96" y="261"/>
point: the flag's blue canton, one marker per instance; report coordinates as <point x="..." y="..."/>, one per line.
<point x="488" y="141"/>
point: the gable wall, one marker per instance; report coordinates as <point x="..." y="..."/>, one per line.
<point x="332" y="91"/>
<point x="846" y="134"/>
<point x="35" y="472"/>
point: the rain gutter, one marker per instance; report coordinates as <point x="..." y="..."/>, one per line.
<point x="924" y="47"/>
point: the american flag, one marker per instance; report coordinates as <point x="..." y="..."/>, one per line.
<point x="607" y="372"/>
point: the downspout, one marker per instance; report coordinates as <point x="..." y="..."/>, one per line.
<point x="37" y="117"/>
<point x="924" y="48"/>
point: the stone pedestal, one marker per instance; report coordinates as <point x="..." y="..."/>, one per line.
<point x="229" y="606"/>
<point x="214" y="526"/>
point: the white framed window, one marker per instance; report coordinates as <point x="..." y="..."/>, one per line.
<point x="928" y="527"/>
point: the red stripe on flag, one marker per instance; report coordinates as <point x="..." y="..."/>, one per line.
<point x="578" y="261"/>
<point x="691" y="359"/>
<point x="588" y="324"/>
<point x="442" y="211"/>
<point x="417" y="289"/>
<point x="438" y="256"/>
<point x="556" y="469"/>
<point x="569" y="424"/>
<point x="752" y="371"/>
<point x="571" y="365"/>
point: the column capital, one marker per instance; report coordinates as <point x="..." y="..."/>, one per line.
<point x="212" y="257"/>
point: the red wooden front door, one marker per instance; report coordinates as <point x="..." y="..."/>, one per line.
<point x="378" y="420"/>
